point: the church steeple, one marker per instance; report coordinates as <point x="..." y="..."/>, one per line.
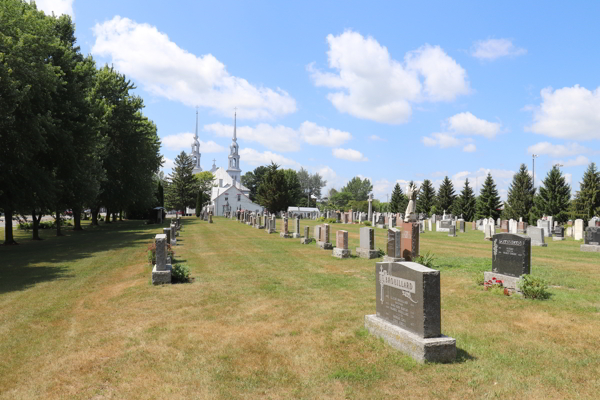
<point x="234" y="158"/>
<point x="196" y="149"/>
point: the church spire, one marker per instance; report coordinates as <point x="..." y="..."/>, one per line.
<point x="196" y="149"/>
<point x="234" y="157"/>
<point x="196" y="134"/>
<point x="235" y="125"/>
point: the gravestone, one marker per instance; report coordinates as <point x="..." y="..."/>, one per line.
<point x="409" y="245"/>
<point x="511" y="258"/>
<point x="578" y="231"/>
<point x="167" y="232"/>
<point x="380" y="221"/>
<point x="504" y="227"/>
<point x="545" y="225"/>
<point x="161" y="273"/>
<point x="367" y="244"/>
<point x="452" y="231"/>
<point x="522" y="227"/>
<point x="559" y="233"/>
<point x="429" y="225"/>
<point x="341" y="245"/>
<point x="306" y="239"/>
<point x="393" y="252"/>
<point x="323" y="239"/>
<point x="461" y="225"/>
<point x="408" y="311"/>
<point x="210" y="215"/>
<point x="173" y="234"/>
<point x="489" y="231"/>
<point x="537" y="236"/>
<point x="592" y="239"/>
<point x="444" y="225"/>
<point x="296" y="234"/>
<point x="569" y="231"/>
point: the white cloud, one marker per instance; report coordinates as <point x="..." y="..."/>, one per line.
<point x="376" y="138"/>
<point x="381" y="188"/>
<point x="442" y="140"/>
<point x="183" y="141"/>
<point x="314" y="134"/>
<point x="469" y="148"/>
<point x="147" y="55"/>
<point x="575" y="162"/>
<point x="494" y="48"/>
<point x="557" y="150"/>
<point x="467" y="124"/>
<point x="349" y="154"/>
<point x="376" y="87"/>
<point x="256" y="158"/>
<point x="282" y="138"/>
<point x="168" y="164"/>
<point x="57" y="6"/>
<point x="568" y="113"/>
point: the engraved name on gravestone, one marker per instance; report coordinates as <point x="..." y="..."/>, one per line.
<point x="511" y="254"/>
<point x="408" y="296"/>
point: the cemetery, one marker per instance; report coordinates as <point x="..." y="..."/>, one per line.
<point x="304" y="321"/>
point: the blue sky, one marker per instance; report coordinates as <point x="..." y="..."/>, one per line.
<point x="386" y="90"/>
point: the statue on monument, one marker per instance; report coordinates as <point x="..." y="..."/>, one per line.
<point x="411" y="192"/>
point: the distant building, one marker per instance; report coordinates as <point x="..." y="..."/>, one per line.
<point x="304" y="212"/>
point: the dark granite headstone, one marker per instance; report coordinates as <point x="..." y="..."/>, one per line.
<point x="445" y="224"/>
<point x="559" y="231"/>
<point x="592" y="235"/>
<point x="408" y="296"/>
<point x="393" y="243"/>
<point x="511" y="254"/>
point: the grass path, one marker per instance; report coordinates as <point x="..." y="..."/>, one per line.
<point x="268" y="318"/>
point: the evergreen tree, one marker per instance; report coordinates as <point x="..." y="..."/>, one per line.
<point x="426" y="198"/>
<point x="199" y="202"/>
<point x="359" y="188"/>
<point x="520" y="196"/>
<point x="465" y="204"/>
<point x="183" y="186"/>
<point x="488" y="202"/>
<point x="397" y="200"/>
<point x="554" y="196"/>
<point x="588" y="197"/>
<point x="272" y="190"/>
<point x="252" y="180"/>
<point x="446" y="196"/>
<point x="293" y="188"/>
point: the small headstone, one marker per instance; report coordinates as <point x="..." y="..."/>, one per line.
<point x="161" y="273"/>
<point x="341" y="245"/>
<point x="444" y="225"/>
<point x="489" y="231"/>
<point x="323" y="241"/>
<point x="367" y="244"/>
<point x="452" y="231"/>
<point x="461" y="225"/>
<point x="559" y="233"/>
<point x="393" y="252"/>
<point x="409" y="246"/>
<point x="537" y="236"/>
<point x="408" y="311"/>
<point x="306" y="239"/>
<point x="296" y="234"/>
<point x="592" y="239"/>
<point x="578" y="231"/>
<point x="511" y="258"/>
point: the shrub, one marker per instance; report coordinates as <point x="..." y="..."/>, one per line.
<point x="428" y="260"/>
<point x="533" y="287"/>
<point x="367" y="223"/>
<point x="331" y="221"/>
<point x="180" y="273"/>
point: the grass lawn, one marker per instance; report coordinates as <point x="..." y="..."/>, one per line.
<point x="268" y="318"/>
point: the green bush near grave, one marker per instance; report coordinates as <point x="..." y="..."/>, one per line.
<point x="180" y="273"/>
<point x="534" y="288"/>
<point x="367" y="223"/>
<point x="44" y="225"/>
<point x="427" y="260"/>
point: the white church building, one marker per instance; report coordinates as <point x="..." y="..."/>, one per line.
<point x="228" y="193"/>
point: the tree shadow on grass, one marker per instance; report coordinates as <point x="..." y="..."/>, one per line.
<point x="462" y="356"/>
<point x="34" y="262"/>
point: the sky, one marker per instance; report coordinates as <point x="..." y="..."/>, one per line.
<point x="389" y="91"/>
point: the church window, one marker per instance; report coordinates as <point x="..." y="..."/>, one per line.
<point x="239" y="197"/>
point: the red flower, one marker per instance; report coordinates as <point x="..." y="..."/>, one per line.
<point x="493" y="279"/>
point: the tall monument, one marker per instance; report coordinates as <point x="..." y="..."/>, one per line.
<point x="234" y="158"/>
<point x="196" y="150"/>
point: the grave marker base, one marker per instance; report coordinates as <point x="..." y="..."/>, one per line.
<point x="366" y="253"/>
<point x="381" y="226"/>
<point x="285" y="235"/>
<point x="393" y="259"/>
<point x="557" y="238"/>
<point x="341" y="253"/>
<point x="160" y="277"/>
<point x="325" y="246"/>
<point x="539" y="244"/>
<point x="440" y="349"/>
<point x="590" y="247"/>
<point x="306" y="241"/>
<point x="510" y="282"/>
<point x="296" y="235"/>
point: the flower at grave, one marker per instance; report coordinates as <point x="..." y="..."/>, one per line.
<point x="493" y="279"/>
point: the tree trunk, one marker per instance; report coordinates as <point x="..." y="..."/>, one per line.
<point x="58" y="232"/>
<point x="8" y="227"/>
<point x="77" y="219"/>
<point x="114" y="216"/>
<point x="36" y="225"/>
<point x="107" y="219"/>
<point x="95" y="211"/>
<point x="121" y="215"/>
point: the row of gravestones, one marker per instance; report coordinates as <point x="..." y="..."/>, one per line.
<point x="161" y="271"/>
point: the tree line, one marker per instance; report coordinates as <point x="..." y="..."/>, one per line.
<point x="73" y="135"/>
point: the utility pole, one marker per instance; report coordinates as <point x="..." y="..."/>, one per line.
<point x="534" y="156"/>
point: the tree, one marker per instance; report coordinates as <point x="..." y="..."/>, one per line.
<point x="272" y="190"/>
<point x="358" y="188"/>
<point x="521" y="193"/>
<point x="204" y="182"/>
<point x="293" y="188"/>
<point x="252" y="180"/>
<point x="554" y="196"/>
<point x="426" y="198"/>
<point x="340" y="200"/>
<point x="182" y="187"/>
<point x="399" y="201"/>
<point x="488" y="202"/>
<point x="445" y="197"/>
<point x="587" y="199"/>
<point x="311" y="184"/>
<point x="465" y="204"/>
